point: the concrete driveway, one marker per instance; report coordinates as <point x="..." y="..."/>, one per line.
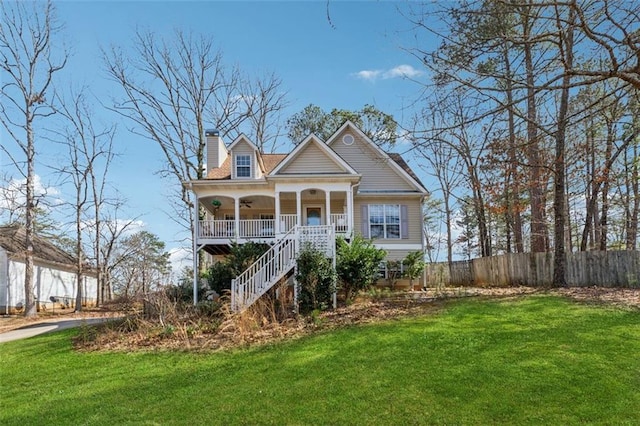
<point x="47" y="327"/>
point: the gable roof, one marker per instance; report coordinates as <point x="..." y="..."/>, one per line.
<point x="223" y="172"/>
<point x="12" y="239"/>
<point x="242" y="137"/>
<point x="329" y="153"/>
<point x="396" y="162"/>
<point x="404" y="166"/>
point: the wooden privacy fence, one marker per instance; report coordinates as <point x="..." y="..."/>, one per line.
<point x="590" y="268"/>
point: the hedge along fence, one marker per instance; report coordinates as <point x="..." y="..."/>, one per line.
<point x="590" y="268"/>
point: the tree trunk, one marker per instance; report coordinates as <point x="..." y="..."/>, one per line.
<point x="79" y="270"/>
<point x="513" y="204"/>
<point x="538" y="225"/>
<point x="31" y="309"/>
<point x="560" y="259"/>
<point x="606" y="174"/>
<point x="633" y="201"/>
<point x="448" y="215"/>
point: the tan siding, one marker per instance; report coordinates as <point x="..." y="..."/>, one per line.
<point x="312" y="160"/>
<point x="376" y="173"/>
<point x="414" y="216"/>
<point x="397" y="254"/>
<point x="288" y="206"/>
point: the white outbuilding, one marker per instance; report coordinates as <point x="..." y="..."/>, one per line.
<point x="54" y="274"/>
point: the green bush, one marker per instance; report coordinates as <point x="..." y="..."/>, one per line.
<point x="183" y="290"/>
<point x="357" y="265"/>
<point x="413" y="266"/>
<point x="316" y="280"/>
<point x="220" y="274"/>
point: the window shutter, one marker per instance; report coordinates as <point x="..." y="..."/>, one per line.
<point x="364" y="221"/>
<point x="234" y="165"/>
<point x="404" y="222"/>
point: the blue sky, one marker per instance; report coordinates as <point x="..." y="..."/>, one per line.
<point x="358" y="58"/>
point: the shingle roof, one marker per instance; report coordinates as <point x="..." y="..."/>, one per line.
<point x="272" y="160"/>
<point x="224" y="171"/>
<point x="12" y="239"/>
<point x="404" y="166"/>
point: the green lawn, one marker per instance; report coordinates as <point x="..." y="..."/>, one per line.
<point x="537" y="360"/>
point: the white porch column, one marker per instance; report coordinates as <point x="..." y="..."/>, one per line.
<point x="327" y="200"/>
<point x="276" y="222"/>
<point x="237" y="217"/>
<point x="196" y="233"/>
<point x="350" y="211"/>
<point x="299" y="208"/>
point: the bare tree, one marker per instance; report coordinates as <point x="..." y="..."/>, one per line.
<point x="612" y="28"/>
<point x="451" y="130"/>
<point x="565" y="26"/>
<point x="444" y="164"/>
<point x="173" y="89"/>
<point x="28" y="60"/>
<point x="265" y="101"/>
<point x="89" y="153"/>
<point x="113" y="230"/>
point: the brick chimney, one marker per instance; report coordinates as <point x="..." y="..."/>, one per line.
<point x="216" y="149"/>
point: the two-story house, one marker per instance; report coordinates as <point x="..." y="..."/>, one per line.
<point x="346" y="184"/>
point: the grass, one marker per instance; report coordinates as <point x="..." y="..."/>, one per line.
<point x="536" y="360"/>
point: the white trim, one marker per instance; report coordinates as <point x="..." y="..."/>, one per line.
<point x="414" y="246"/>
<point x="302" y="186"/>
<point x="389" y="160"/>
<point x="236" y="157"/>
<point x="246" y="139"/>
<point x="256" y="155"/>
<point x="323" y="147"/>
<point x="384" y="221"/>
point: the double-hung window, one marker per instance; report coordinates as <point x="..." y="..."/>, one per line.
<point x="384" y="221"/>
<point x="243" y="166"/>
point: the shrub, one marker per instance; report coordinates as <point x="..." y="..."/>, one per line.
<point x="243" y="255"/>
<point x="357" y="265"/>
<point x="220" y="274"/>
<point x="394" y="272"/>
<point x="183" y="290"/>
<point x="413" y="266"/>
<point x="316" y="280"/>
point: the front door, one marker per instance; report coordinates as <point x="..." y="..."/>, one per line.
<point x="314" y="216"/>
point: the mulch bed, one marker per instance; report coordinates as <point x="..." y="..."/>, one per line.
<point x="242" y="331"/>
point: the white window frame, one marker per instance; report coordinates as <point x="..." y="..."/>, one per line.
<point x="386" y="225"/>
<point x="239" y="166"/>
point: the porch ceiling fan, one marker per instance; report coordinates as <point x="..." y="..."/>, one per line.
<point x="246" y="203"/>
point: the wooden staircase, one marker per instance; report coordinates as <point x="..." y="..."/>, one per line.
<point x="278" y="261"/>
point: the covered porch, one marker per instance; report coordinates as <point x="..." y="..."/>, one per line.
<point x="264" y="218"/>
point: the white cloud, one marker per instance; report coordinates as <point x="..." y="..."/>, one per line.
<point x="400" y="71"/>
<point x="370" y="75"/>
<point x="12" y="196"/>
<point x="179" y="258"/>
<point x="130" y="226"/>
<point x="403" y="71"/>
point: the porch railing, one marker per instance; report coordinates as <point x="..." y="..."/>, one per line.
<point x="340" y="222"/>
<point x="261" y="228"/>
<point x="279" y="260"/>
<point x="217" y="228"/>
<point x="257" y="228"/>
<point x="288" y="222"/>
<point x="264" y="272"/>
<point x="222" y="229"/>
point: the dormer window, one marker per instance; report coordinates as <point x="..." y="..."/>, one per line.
<point x="243" y="166"/>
